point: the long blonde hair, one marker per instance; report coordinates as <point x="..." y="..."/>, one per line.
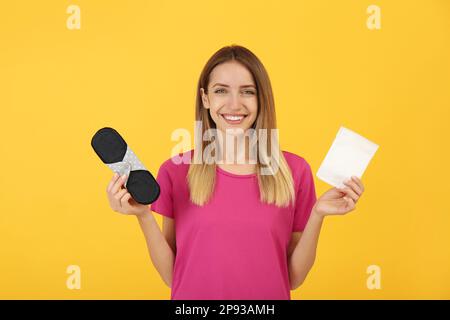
<point x="277" y="188"/>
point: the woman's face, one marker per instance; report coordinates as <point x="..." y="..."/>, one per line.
<point x="232" y="98"/>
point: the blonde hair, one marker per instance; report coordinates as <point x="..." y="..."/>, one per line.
<point x="277" y="188"/>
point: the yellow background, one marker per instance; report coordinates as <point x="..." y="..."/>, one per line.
<point x="134" y="66"/>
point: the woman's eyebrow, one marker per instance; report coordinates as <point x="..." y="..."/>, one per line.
<point x="225" y="85"/>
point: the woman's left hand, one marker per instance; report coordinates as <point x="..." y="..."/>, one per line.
<point x="339" y="201"/>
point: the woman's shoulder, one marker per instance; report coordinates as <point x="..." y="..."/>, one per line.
<point x="296" y="162"/>
<point x="294" y="158"/>
<point x="178" y="163"/>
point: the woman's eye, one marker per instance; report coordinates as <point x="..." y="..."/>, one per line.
<point x="251" y="92"/>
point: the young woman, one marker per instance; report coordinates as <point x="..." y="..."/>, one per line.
<point x="229" y="231"/>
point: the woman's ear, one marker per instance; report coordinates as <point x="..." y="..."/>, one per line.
<point x="204" y="98"/>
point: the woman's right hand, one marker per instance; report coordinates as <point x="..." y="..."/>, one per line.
<point x="120" y="199"/>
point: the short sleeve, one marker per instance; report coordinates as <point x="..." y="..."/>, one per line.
<point x="305" y="199"/>
<point x="164" y="204"/>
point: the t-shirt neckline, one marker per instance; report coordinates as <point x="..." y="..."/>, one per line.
<point x="234" y="175"/>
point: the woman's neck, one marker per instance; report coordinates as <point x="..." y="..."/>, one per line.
<point x="234" y="156"/>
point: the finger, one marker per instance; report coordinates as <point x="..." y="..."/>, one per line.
<point x="118" y="184"/>
<point x="118" y="196"/>
<point x="350" y="193"/>
<point x="350" y="204"/>
<point x="359" y="182"/>
<point x="352" y="184"/>
<point x="111" y="183"/>
<point x="124" y="200"/>
<point x="347" y="204"/>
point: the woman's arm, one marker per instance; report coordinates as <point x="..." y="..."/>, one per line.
<point x="336" y="201"/>
<point x="161" y="252"/>
<point x="161" y="245"/>
<point x="303" y="255"/>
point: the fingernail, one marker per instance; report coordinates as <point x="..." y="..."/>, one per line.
<point x="124" y="176"/>
<point x="115" y="175"/>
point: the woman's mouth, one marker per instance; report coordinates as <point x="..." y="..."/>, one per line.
<point x="233" y="118"/>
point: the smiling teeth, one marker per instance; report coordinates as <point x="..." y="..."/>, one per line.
<point x="234" y="118"/>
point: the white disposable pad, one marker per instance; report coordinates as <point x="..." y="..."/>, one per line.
<point x="348" y="156"/>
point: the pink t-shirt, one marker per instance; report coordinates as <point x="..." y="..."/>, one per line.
<point x="234" y="247"/>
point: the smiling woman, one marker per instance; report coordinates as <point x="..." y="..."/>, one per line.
<point x="234" y="92"/>
<point x="234" y="96"/>
<point x="240" y="234"/>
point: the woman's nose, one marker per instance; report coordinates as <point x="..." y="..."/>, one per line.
<point x="234" y="102"/>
